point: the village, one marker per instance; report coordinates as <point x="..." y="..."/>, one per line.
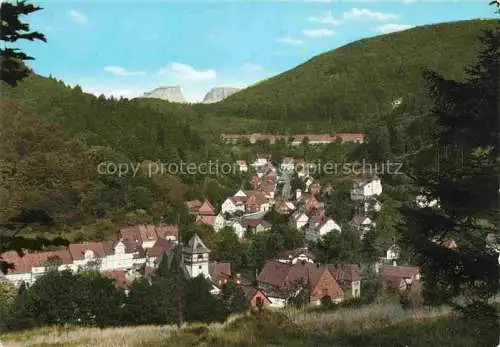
<point x="138" y="250"/>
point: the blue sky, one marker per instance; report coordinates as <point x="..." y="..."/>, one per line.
<point x="128" y="47"/>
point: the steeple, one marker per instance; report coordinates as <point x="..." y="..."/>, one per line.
<point x="195" y="257"/>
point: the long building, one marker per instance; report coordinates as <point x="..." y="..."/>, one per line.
<point x="295" y="140"/>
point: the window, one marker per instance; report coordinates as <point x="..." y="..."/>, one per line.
<point x="200" y="256"/>
<point x="199" y="267"/>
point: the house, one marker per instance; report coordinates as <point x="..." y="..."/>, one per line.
<point x="371" y="205"/>
<point x="261" y="161"/>
<point x="299" y="220"/>
<point x="255" y="179"/>
<point x="205" y="220"/>
<point x="399" y="278"/>
<point x="296" y="255"/>
<point x="154" y="255"/>
<point x="119" y="278"/>
<point x="240" y="229"/>
<point x="220" y="274"/>
<point x="287" y="164"/>
<point x="256" y="297"/>
<point x="219" y="222"/>
<point x="362" y="224"/>
<point x="168" y="232"/>
<point x="206" y="209"/>
<point x="349" y="278"/>
<point x="351" y="137"/>
<point x="28" y="267"/>
<point x="268" y="188"/>
<point x="314" y="188"/>
<point x="90" y="253"/>
<point x="326" y="226"/>
<point x="256" y="202"/>
<point x="392" y="253"/>
<point x="256" y="225"/>
<point x="283" y="206"/>
<point x="121" y="256"/>
<point x="240" y="193"/>
<point x="233" y="204"/>
<point x="366" y="188"/>
<point x="242" y="165"/>
<point x="146" y="236"/>
<point x="281" y="281"/>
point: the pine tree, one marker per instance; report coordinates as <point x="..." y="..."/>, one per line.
<point x="461" y="170"/>
<point x="13" y="29"/>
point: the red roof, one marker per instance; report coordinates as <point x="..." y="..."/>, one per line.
<point x="219" y="272"/>
<point x="351" y="137"/>
<point x="24" y="264"/>
<point x="100" y="249"/>
<point x="254" y="222"/>
<point x="206" y="208"/>
<point x="119" y="278"/>
<point x="345" y="272"/>
<point x="207" y="220"/>
<point x="159" y="248"/>
<point x="168" y="231"/>
<point x="392" y="273"/>
<point x="138" y="234"/>
<point x="284" y="275"/>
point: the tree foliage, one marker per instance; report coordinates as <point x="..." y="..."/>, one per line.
<point x="461" y="169"/>
<point x="13" y="29"/>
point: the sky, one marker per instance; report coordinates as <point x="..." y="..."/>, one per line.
<point x="124" y="48"/>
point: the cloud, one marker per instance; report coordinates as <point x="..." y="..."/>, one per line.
<point x="251" y="67"/>
<point x="120" y="71"/>
<point x="290" y="41"/>
<point x="364" y="13"/>
<point x="326" y="18"/>
<point x="78" y="17"/>
<point x="390" y="28"/>
<point x="317" y="33"/>
<point x="187" y="72"/>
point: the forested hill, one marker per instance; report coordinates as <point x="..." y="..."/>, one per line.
<point x="350" y="85"/>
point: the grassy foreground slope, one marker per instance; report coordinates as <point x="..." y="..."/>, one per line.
<point x="348" y="86"/>
<point x="369" y="326"/>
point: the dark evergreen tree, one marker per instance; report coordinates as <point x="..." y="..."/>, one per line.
<point x="13" y="29"/>
<point x="461" y="169"/>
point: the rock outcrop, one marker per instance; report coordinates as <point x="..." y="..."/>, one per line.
<point x="217" y="94"/>
<point x="172" y="94"/>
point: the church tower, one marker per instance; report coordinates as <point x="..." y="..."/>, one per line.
<point x="195" y="257"/>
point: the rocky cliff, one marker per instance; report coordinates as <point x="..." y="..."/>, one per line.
<point x="172" y="94"/>
<point x="217" y="94"/>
